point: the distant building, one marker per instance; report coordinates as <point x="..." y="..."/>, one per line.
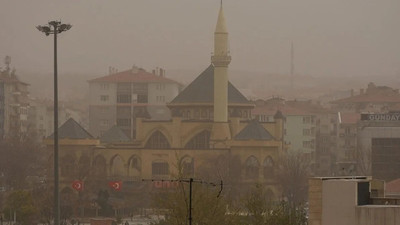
<point x="211" y="134"/>
<point x="13" y="103"/>
<point x="351" y="200"/>
<point x="346" y="154"/>
<point x="378" y="138"/>
<point x="299" y="122"/>
<point x="118" y="98"/>
<point x="41" y="116"/>
<point x="375" y="99"/>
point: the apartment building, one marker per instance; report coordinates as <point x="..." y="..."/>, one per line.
<point x="13" y="103"/>
<point x="117" y="99"/>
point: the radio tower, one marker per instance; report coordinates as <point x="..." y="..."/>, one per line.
<point x="291" y="66"/>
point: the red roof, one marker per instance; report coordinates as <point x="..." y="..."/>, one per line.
<point x="285" y="109"/>
<point x="371" y="97"/>
<point x="140" y="76"/>
<point x="393" y="186"/>
<point x="349" y="117"/>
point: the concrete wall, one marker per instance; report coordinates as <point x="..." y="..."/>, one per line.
<point x="315" y="201"/>
<point x="378" y="215"/>
<point x="339" y="198"/>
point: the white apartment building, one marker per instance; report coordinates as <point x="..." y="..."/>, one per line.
<point x="118" y="98"/>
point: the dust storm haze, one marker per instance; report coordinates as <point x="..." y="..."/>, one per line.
<point x="332" y="39"/>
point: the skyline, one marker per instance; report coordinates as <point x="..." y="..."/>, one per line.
<point x="340" y="38"/>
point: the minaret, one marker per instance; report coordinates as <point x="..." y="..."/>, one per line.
<point x="220" y="60"/>
<point x="291" y="67"/>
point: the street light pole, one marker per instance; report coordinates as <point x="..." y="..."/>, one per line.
<point x="55" y="27"/>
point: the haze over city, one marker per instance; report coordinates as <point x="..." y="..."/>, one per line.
<point x="331" y="38"/>
<point x="219" y="112"/>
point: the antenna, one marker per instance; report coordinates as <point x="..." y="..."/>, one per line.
<point x="7" y="61"/>
<point x="291" y="66"/>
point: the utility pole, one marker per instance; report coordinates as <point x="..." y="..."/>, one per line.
<point x="190" y="181"/>
<point x="55" y="27"/>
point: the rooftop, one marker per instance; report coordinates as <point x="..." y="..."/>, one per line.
<point x="201" y="90"/>
<point x="134" y="76"/>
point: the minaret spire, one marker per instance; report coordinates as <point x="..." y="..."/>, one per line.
<point x="220" y="59"/>
<point x="291" y="66"/>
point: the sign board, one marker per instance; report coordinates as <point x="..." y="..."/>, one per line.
<point x="381" y="117"/>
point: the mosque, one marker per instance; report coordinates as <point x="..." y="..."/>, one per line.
<point x="211" y="135"/>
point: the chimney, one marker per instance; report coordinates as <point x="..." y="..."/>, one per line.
<point x="154" y="72"/>
<point x="161" y="72"/>
<point x="352" y="92"/>
<point x="135" y="69"/>
<point x="361" y="91"/>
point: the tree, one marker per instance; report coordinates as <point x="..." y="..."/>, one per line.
<point x="43" y="198"/>
<point x="105" y="207"/>
<point x="21" y="204"/>
<point x="19" y="157"/>
<point x="262" y="210"/>
<point x="292" y="176"/>
<point x="209" y="204"/>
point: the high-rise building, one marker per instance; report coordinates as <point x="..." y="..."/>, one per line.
<point x="13" y="103"/>
<point x="117" y="99"/>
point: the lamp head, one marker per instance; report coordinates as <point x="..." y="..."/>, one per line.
<point x="44" y="29"/>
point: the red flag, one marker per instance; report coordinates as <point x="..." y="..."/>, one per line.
<point x="77" y="185"/>
<point x="116" y="185"/>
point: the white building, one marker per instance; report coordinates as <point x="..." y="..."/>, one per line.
<point x="13" y="103"/>
<point x="118" y="98"/>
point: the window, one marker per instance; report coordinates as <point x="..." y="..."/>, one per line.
<point x="157" y="141"/>
<point x="160" y="98"/>
<point x="306" y="119"/>
<point x="160" y="87"/>
<point x="134" y="166"/>
<point x="142" y="99"/>
<point x="104" y="123"/>
<point x="252" y="167"/>
<point x="306" y="132"/>
<point x="117" y="166"/>
<point x="204" y="113"/>
<point x="104" y="98"/>
<point x="123" y="122"/>
<point x="200" y="141"/>
<point x="268" y="165"/>
<point x="187" y="166"/>
<point x="159" y="169"/>
<point x="67" y="166"/>
<point x="104" y="86"/>
<point x="124" y="98"/>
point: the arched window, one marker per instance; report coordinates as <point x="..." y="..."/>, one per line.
<point x="160" y="168"/>
<point x="135" y="166"/>
<point x="200" y="141"/>
<point x="268" y="167"/>
<point x="84" y="166"/>
<point x="68" y="166"/>
<point x="252" y="167"/>
<point x="117" y="166"/>
<point x="99" y="166"/>
<point x="187" y="166"/>
<point x="157" y="141"/>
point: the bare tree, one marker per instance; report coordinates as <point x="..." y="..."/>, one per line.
<point x="19" y="157"/>
<point x="292" y="176"/>
<point x="363" y="160"/>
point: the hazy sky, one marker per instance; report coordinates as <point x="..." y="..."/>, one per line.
<point x="331" y="37"/>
